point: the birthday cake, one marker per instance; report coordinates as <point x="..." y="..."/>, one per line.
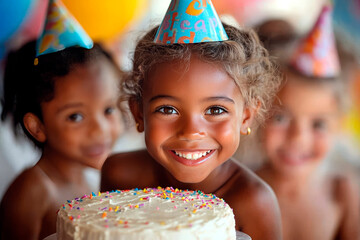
<point x="151" y="213"/>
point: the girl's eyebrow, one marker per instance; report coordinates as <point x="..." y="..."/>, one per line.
<point x="217" y="98"/>
<point x="163" y="96"/>
<point x="70" y="105"/>
<point x="279" y="108"/>
<point x="220" y="98"/>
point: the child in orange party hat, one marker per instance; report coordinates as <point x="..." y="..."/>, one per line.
<point x="194" y="90"/>
<point x="64" y="96"/>
<point x="315" y="202"/>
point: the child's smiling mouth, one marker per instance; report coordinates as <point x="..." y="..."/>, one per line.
<point x="295" y="158"/>
<point x="192" y="155"/>
<point x="191" y="158"/>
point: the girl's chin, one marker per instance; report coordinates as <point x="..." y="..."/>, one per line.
<point x="188" y="177"/>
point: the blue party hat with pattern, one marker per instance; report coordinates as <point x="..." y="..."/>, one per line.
<point x="61" y="30"/>
<point x="190" y="21"/>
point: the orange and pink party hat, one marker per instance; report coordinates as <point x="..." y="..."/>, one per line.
<point x="316" y="55"/>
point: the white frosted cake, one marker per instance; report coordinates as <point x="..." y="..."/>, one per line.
<point x="151" y="213"/>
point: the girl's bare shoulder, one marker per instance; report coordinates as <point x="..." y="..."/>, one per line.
<point x="30" y="183"/>
<point x="344" y="187"/>
<point x="27" y="195"/>
<point x="253" y="201"/>
<point x="127" y="160"/>
<point x="251" y="183"/>
<point x="247" y="188"/>
<point x="127" y="170"/>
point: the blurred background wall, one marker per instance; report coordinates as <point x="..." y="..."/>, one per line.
<point x="119" y="23"/>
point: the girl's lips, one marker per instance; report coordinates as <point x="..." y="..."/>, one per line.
<point x="192" y="158"/>
<point x="294" y="159"/>
<point x="96" y="150"/>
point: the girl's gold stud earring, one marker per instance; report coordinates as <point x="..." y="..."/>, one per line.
<point x="248" y="132"/>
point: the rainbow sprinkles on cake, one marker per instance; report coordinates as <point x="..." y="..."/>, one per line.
<point x="150" y="213"/>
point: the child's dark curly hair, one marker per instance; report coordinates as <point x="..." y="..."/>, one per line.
<point x="242" y="57"/>
<point x="26" y="86"/>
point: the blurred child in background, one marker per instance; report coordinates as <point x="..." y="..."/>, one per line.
<point x="66" y="102"/>
<point x="315" y="202"/>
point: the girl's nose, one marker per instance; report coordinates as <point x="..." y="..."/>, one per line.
<point x="191" y="128"/>
<point x="98" y="127"/>
<point x="297" y="133"/>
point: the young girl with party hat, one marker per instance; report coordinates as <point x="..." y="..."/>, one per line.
<point x="315" y="201"/>
<point x="194" y="91"/>
<point x="65" y="101"/>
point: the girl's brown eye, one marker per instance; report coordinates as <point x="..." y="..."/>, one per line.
<point x="109" y="110"/>
<point x="319" y="124"/>
<point x="76" y="117"/>
<point x="215" y="111"/>
<point x="280" y="118"/>
<point x="166" y="110"/>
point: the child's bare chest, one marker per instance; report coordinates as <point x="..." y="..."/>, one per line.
<point x="310" y="218"/>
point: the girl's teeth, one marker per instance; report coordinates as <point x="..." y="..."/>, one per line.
<point x="192" y="156"/>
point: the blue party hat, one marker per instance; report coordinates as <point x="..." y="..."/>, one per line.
<point x="61" y="30"/>
<point x="190" y="21"/>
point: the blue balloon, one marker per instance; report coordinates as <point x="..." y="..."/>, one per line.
<point x="12" y="14"/>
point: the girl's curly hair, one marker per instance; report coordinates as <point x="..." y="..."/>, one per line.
<point x="242" y="56"/>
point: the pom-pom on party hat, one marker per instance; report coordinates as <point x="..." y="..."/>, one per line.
<point x="190" y="21"/>
<point x="317" y="56"/>
<point x="61" y="30"/>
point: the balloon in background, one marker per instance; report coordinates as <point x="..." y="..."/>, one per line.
<point x="34" y="22"/>
<point x="104" y="20"/>
<point x="30" y="28"/>
<point x="12" y="14"/>
<point x="353" y="124"/>
<point x="347" y="20"/>
<point x="353" y="119"/>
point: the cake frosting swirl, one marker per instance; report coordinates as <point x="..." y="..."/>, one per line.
<point x="150" y="213"/>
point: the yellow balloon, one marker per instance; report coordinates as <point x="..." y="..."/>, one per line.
<point x="103" y="20"/>
<point x="353" y="124"/>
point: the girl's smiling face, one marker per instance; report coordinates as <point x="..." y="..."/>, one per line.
<point x="192" y="119"/>
<point x="301" y="131"/>
<point x="82" y="121"/>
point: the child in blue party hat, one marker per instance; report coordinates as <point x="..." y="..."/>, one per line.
<point x="63" y="93"/>
<point x="195" y="87"/>
<point x="316" y="201"/>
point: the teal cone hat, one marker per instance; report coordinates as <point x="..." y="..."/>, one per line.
<point x="61" y="30"/>
<point x="190" y="21"/>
